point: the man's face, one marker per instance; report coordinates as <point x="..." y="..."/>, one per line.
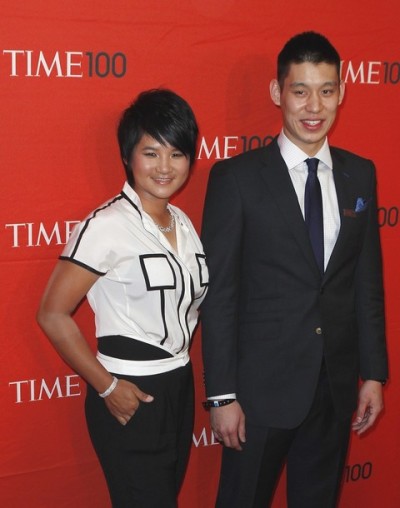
<point x="309" y="99"/>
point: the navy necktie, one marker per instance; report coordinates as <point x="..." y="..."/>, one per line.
<point x="313" y="212"/>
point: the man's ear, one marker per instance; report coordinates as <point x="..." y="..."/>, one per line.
<point x="275" y="92"/>
<point x="342" y="88"/>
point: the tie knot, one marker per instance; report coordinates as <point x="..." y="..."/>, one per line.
<point x="312" y="164"/>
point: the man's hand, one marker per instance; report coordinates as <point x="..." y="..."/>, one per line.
<point x="124" y="401"/>
<point x="228" y="425"/>
<point x="370" y="404"/>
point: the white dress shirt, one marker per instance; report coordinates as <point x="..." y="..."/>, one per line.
<point x="295" y="158"/>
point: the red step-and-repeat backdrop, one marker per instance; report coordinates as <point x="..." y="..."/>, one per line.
<point x="67" y="70"/>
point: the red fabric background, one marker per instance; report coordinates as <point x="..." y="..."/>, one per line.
<point x="59" y="159"/>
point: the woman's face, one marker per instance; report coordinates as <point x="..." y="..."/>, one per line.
<point x="158" y="171"/>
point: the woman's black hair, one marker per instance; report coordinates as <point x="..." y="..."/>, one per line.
<point x="163" y="115"/>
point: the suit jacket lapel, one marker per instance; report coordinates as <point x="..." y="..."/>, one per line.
<point x="342" y="183"/>
<point x="275" y="174"/>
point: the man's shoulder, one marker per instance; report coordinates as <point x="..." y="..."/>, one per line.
<point x="247" y="160"/>
<point x="344" y="155"/>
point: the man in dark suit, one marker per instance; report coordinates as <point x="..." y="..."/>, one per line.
<point x="293" y="325"/>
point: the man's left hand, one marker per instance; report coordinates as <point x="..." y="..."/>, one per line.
<point x="370" y="404"/>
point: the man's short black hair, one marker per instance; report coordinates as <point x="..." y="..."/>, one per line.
<point x="306" y="47"/>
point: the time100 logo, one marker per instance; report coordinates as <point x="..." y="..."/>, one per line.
<point x="388" y="216"/>
<point x="103" y="64"/>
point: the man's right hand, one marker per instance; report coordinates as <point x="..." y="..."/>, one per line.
<point x="228" y="425"/>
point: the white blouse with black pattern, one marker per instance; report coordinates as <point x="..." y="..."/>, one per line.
<point x="146" y="290"/>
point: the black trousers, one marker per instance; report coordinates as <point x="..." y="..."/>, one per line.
<point x="144" y="462"/>
<point x="315" y="454"/>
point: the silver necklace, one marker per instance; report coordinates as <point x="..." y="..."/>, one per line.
<point x="170" y="226"/>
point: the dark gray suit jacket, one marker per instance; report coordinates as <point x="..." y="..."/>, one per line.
<point x="269" y="318"/>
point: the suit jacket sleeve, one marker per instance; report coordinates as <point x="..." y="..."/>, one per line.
<point x="370" y="297"/>
<point x="221" y="236"/>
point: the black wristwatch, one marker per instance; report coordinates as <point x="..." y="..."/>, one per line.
<point x="217" y="403"/>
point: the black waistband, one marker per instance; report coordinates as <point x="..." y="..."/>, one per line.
<point x="126" y="348"/>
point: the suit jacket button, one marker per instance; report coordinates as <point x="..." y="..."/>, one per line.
<point x="318" y="331"/>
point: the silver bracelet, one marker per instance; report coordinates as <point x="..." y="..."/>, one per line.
<point x="110" y="389"/>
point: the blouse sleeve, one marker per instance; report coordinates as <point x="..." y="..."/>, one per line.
<point x="91" y="245"/>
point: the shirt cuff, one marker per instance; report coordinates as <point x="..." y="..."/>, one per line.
<point x="222" y="397"/>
